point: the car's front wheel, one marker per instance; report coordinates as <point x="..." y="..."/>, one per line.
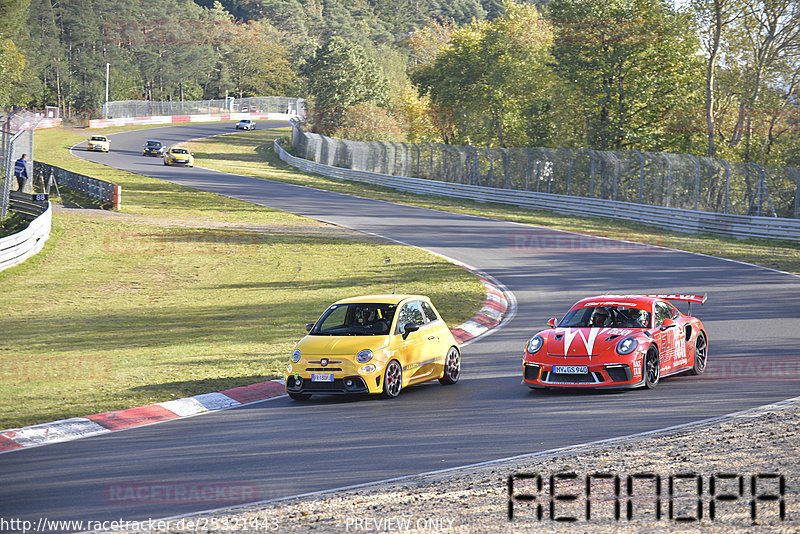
<point x="392" y="379"/>
<point x="651" y="367"/>
<point x="452" y="367"/>
<point x="700" y="354"/>
<point x="300" y="396"/>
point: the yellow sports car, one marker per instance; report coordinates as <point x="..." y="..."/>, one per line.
<point x="98" y="142"/>
<point x="179" y="156"/>
<point x="373" y="344"/>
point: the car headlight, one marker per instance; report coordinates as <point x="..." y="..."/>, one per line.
<point x="364" y="356"/>
<point x="535" y="344"/>
<point x="296" y="356"/>
<point x="627" y="345"/>
<point x="367" y="369"/>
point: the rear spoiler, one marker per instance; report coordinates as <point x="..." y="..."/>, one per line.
<point x="701" y="299"/>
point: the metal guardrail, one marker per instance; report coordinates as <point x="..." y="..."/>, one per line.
<point x="683" y="220"/>
<point x="28" y="205"/>
<point x="104" y="192"/>
<point x="254" y="104"/>
<point x="669" y="180"/>
<point x="16" y="248"/>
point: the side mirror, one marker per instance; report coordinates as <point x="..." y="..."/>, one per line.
<point x="408" y="328"/>
<point x="668" y="323"/>
<point x="552" y="322"/>
<point x="309" y="326"/>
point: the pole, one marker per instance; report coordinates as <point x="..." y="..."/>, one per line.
<point x="108" y="65"/>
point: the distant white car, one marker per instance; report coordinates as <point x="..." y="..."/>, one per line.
<point x="246" y="124"/>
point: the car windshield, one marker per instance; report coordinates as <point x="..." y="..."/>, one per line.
<point x="179" y="151"/>
<point x="606" y="316"/>
<point x="357" y="319"/>
<point x="154" y="143"/>
<point x="98" y="138"/>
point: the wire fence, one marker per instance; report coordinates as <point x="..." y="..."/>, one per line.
<point x="17" y="139"/>
<point x="653" y="178"/>
<point x="256" y="104"/>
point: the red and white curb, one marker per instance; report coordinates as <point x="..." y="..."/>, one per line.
<point x="82" y="427"/>
<point x="490" y="316"/>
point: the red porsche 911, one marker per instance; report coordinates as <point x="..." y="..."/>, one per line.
<point x="617" y="341"/>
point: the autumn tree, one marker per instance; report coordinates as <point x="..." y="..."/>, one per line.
<point x="492" y="82"/>
<point x="632" y="63"/>
<point x="339" y="75"/>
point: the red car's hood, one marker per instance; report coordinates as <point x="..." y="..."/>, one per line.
<point x="585" y="341"/>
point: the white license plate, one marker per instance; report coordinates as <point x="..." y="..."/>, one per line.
<point x="571" y="369"/>
<point x="328" y="377"/>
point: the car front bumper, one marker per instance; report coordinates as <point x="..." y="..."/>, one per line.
<point x="599" y="375"/>
<point x="349" y="385"/>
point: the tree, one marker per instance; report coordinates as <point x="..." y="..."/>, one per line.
<point x="340" y="75"/>
<point x="713" y="17"/>
<point x="766" y="49"/>
<point x="260" y="68"/>
<point x="491" y="81"/>
<point x="632" y="63"/>
<point x="12" y="65"/>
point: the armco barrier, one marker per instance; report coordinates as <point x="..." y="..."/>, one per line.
<point x="180" y="119"/>
<point x="740" y="226"/>
<point x="105" y="192"/>
<point x="15" y="249"/>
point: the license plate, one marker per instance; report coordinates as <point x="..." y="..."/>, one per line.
<point x="571" y="369"/>
<point x="328" y="377"/>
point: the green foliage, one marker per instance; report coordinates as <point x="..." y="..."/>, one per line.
<point x="340" y="75"/>
<point x="12" y="64"/>
<point x="491" y="83"/>
<point x="631" y="63"/>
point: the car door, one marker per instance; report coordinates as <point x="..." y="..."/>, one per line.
<point x="436" y="343"/>
<point x="668" y="340"/>
<point x="412" y="348"/>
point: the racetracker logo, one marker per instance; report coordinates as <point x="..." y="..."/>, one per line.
<point x="177" y="493"/>
<point x="539" y="242"/>
<point x="81" y="368"/>
<point x="187" y="243"/>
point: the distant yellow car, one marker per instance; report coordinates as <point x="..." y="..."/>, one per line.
<point x="179" y="156"/>
<point x="98" y="143"/>
<point x="374" y="344"/>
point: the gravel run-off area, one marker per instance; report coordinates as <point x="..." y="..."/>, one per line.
<point x="759" y="446"/>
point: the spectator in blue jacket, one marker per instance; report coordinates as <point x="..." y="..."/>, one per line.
<point x="21" y="171"/>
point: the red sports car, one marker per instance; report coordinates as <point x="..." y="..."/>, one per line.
<point x="617" y="341"/>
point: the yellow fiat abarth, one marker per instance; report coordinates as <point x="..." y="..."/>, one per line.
<point x="375" y="344"/>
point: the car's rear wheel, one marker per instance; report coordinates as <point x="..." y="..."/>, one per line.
<point x="700" y="354"/>
<point x="651" y="367"/>
<point x="452" y="367"/>
<point x="300" y="396"/>
<point x="392" y="379"/>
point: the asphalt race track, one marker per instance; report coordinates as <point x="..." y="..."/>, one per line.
<point x="283" y="448"/>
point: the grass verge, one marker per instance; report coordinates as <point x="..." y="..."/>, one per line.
<point x="181" y="293"/>
<point x="251" y="153"/>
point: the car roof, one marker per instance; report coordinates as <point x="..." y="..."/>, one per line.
<point x="381" y="299"/>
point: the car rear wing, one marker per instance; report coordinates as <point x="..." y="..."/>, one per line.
<point x="700" y="299"/>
